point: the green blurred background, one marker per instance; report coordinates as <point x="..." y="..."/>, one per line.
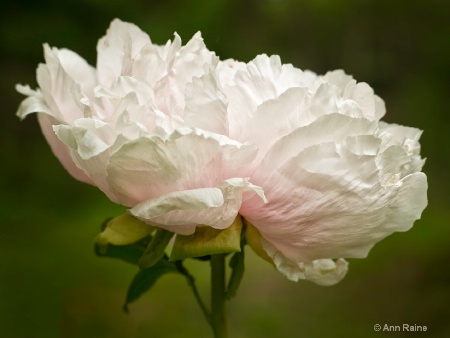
<point x="52" y="285"/>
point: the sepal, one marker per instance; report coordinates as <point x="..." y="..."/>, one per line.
<point x="208" y="241"/>
<point x="123" y="230"/>
<point x="124" y="237"/>
<point x="254" y="239"/>
<point x="156" y="249"/>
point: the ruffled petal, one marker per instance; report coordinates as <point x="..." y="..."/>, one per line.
<point x="88" y="137"/>
<point x="324" y="272"/>
<point x="287" y="110"/>
<point x="264" y="78"/>
<point x="190" y="158"/>
<point x="400" y="151"/>
<point x="327" y="202"/>
<point x="206" y="105"/>
<point x="328" y="128"/>
<point x="183" y="64"/>
<point x="60" y="150"/>
<point x="182" y="211"/>
<point x="58" y="78"/>
<point x="91" y="143"/>
<point x="118" y="49"/>
<point x="193" y="60"/>
<point x="34" y="103"/>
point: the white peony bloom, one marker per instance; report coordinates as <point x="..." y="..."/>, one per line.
<point x="184" y="139"/>
<point x="126" y="127"/>
<point x="337" y="180"/>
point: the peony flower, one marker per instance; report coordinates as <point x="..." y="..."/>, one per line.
<point x="129" y="128"/>
<point x="186" y="140"/>
<point x="337" y="179"/>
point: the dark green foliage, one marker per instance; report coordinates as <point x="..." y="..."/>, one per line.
<point x="237" y="272"/>
<point x="146" y="278"/>
<point x="129" y="253"/>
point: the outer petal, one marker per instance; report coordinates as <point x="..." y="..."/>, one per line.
<point x="343" y="224"/>
<point x="182" y="211"/>
<point x="91" y="143"/>
<point x="333" y="200"/>
<point x="60" y="150"/>
<point x="188" y="159"/>
<point x="89" y="137"/>
<point x="34" y="103"/>
<point x="58" y="78"/>
<point x="324" y="272"/>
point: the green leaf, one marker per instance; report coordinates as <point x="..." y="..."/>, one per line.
<point x="237" y="272"/>
<point x="129" y="253"/>
<point x="123" y="230"/>
<point x="146" y="278"/>
<point x="155" y="250"/>
<point x="208" y="241"/>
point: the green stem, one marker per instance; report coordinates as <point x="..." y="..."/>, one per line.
<point x="218" y="296"/>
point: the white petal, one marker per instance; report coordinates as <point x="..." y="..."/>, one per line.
<point x="193" y="59"/>
<point x="183" y="64"/>
<point x="34" y="103"/>
<point x="95" y="167"/>
<point x="408" y="139"/>
<point x="89" y="137"/>
<point x="150" y="65"/>
<point x="324" y="272"/>
<point x="286" y="110"/>
<point x="118" y="49"/>
<point x="61" y="151"/>
<point x="328" y="203"/>
<point x="407" y="202"/>
<point x="264" y="78"/>
<point x="206" y="104"/>
<point x="394" y="134"/>
<point x="78" y="69"/>
<point x="57" y="84"/>
<point x="339" y="79"/>
<point x="380" y="107"/>
<point x="188" y="159"/>
<point x="391" y="163"/>
<point x="328" y="128"/>
<point x="123" y="86"/>
<point x="227" y="70"/>
<point x="182" y="211"/>
<point x="363" y="144"/>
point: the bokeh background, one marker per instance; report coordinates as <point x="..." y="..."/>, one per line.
<point x="52" y="285"/>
